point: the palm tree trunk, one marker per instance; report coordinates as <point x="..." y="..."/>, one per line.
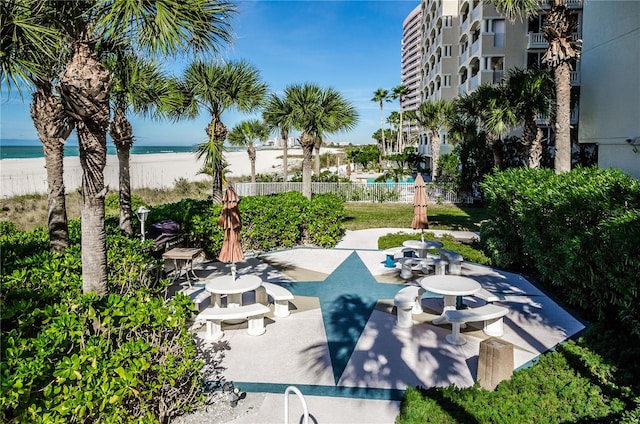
<point x="285" y="159"/>
<point x="53" y="126"/>
<point x="307" y="143"/>
<point x="251" y="150"/>
<point x="85" y="86"/>
<point x="122" y="135"/>
<point x="384" y="147"/>
<point x="400" y="134"/>
<point x="435" y="153"/>
<point x="93" y="158"/>
<point x="217" y="164"/>
<point x="563" y="118"/>
<point x="317" y="159"/>
<point x="496" y="150"/>
<point x="532" y="140"/>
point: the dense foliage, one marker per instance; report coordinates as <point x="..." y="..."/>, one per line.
<point x="268" y="222"/>
<point x="69" y="357"/>
<point x="577" y="230"/>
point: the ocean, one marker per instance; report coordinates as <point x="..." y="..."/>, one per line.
<point x="23" y="152"/>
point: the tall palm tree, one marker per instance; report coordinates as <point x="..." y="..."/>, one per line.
<point x="139" y="86"/>
<point x="398" y="92"/>
<point x="433" y="115"/>
<point x="195" y="27"/>
<point x="531" y="92"/>
<point x="278" y="114"/>
<point x="217" y="88"/>
<point x="318" y="112"/>
<point x="380" y="96"/>
<point x="23" y="65"/>
<point x="563" y="50"/>
<point x="245" y="134"/>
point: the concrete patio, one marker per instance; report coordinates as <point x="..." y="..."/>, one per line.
<point x="340" y="345"/>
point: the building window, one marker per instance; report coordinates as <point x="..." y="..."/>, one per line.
<point x="447" y="80"/>
<point x="447" y="21"/>
<point x="447" y="50"/>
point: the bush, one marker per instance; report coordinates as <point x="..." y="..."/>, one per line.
<point x="577" y="230"/>
<point x="268" y="222"/>
<point x="71" y="357"/>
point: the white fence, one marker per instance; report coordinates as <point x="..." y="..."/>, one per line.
<point x="359" y="192"/>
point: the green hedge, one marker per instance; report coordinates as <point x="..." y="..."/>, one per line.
<point x="268" y="222"/>
<point x="578" y="230"/>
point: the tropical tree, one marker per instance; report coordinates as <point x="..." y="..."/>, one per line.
<point x="563" y="50"/>
<point x="531" y="93"/>
<point x="244" y="134"/>
<point x="434" y="115"/>
<point x="411" y="117"/>
<point x="488" y="110"/>
<point x="160" y="28"/>
<point x="398" y="92"/>
<point x="380" y="96"/>
<point x="139" y="86"/>
<point x="318" y="112"/>
<point x="218" y="87"/>
<point x="278" y="115"/>
<point x="24" y="66"/>
<point x="394" y="122"/>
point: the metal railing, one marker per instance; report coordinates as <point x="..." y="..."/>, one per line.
<point x="359" y="192"/>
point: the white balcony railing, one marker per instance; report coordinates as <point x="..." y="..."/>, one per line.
<point x="536" y="41"/>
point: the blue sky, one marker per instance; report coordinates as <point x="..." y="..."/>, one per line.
<point x="353" y="46"/>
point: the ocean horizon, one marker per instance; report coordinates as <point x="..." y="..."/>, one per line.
<point x="28" y="149"/>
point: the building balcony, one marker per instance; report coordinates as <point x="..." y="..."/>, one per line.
<point x="537" y="40"/>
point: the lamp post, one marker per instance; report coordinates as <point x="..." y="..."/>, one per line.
<point x="142" y="214"/>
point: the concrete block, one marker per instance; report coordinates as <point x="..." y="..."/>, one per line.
<point x="495" y="362"/>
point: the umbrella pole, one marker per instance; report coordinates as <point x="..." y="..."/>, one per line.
<point x="422" y="235"/>
<point x="233" y="270"/>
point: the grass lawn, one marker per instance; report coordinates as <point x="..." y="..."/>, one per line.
<point x="360" y="216"/>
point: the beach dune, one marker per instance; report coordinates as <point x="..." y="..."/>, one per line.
<point x="28" y="176"/>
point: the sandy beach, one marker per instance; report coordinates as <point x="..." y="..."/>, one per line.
<point x="28" y="176"/>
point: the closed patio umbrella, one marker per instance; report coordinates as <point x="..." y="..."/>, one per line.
<point x="229" y="220"/>
<point x="420" y="201"/>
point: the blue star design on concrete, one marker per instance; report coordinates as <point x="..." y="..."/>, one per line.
<point x="347" y="297"/>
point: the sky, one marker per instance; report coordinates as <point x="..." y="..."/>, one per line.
<point x="352" y="46"/>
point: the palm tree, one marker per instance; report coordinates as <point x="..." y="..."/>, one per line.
<point x="380" y="96"/>
<point x="278" y="114"/>
<point x="318" y="112"/>
<point x="394" y="122"/>
<point x="23" y="65"/>
<point x="531" y="92"/>
<point x="411" y="117"/>
<point x="85" y="84"/>
<point x="139" y="86"/>
<point x="488" y="107"/>
<point x="218" y="88"/>
<point x="433" y="115"/>
<point x="244" y="134"/>
<point x="398" y="92"/>
<point x="563" y="50"/>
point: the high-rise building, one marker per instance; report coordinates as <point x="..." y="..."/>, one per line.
<point x="466" y="43"/>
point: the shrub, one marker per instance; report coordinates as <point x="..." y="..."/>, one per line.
<point x="70" y="357"/>
<point x="578" y="230"/>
